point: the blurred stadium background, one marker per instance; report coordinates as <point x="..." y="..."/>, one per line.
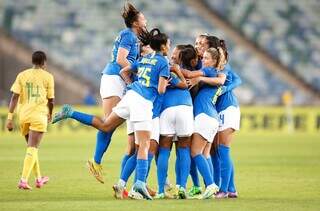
<point x="274" y="46"/>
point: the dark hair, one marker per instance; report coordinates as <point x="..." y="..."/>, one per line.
<point x="154" y="38"/>
<point x="38" y="58"/>
<point x="188" y="54"/>
<point x="129" y="14"/>
<point x="215" y="42"/>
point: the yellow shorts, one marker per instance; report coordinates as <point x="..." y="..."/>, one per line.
<point x="35" y="124"/>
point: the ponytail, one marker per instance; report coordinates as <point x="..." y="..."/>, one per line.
<point x="129" y="14"/>
<point x="154" y="38"/>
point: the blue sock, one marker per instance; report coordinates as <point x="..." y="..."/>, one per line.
<point x="204" y="169"/>
<point x="177" y="168"/>
<point x="226" y="167"/>
<point x="163" y="157"/>
<point x="150" y="158"/>
<point x="82" y="117"/>
<point x="216" y="168"/>
<point x="232" y="187"/>
<point x="194" y="173"/>
<point x="210" y="167"/>
<point x="124" y="161"/>
<point x="129" y="167"/>
<point x="102" y="144"/>
<point x="184" y="160"/>
<point x="142" y="170"/>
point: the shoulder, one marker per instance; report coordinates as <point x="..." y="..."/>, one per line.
<point x="162" y="60"/>
<point x="45" y="74"/>
<point x="127" y="33"/>
<point x="24" y="73"/>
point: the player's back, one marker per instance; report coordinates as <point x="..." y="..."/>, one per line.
<point x="35" y="87"/>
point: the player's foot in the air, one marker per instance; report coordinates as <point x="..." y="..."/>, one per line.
<point x="141" y="188"/>
<point x="66" y="112"/>
<point x="24" y="185"/>
<point x="194" y="191"/>
<point x="182" y="193"/>
<point x="95" y="169"/>
<point x="210" y="191"/>
<point x="232" y="195"/>
<point x="42" y="181"/>
<point x="119" y="192"/>
<point x="221" y="195"/>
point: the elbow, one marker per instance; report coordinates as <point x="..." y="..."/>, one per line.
<point x="121" y="62"/>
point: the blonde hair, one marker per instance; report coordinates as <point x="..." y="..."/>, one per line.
<point x="218" y="55"/>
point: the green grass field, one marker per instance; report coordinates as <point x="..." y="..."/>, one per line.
<point x="273" y="172"/>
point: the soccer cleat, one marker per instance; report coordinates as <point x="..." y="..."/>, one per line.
<point x="66" y="112"/>
<point x="221" y="195"/>
<point x="194" y="191"/>
<point x="119" y="192"/>
<point x="24" y="185"/>
<point x="125" y="194"/>
<point x="182" y="193"/>
<point x="135" y="195"/>
<point x="210" y="191"/>
<point x="172" y="193"/>
<point x="168" y="187"/>
<point x="159" y="196"/>
<point x="151" y="192"/>
<point x="232" y="195"/>
<point x="42" y="181"/>
<point x="96" y="170"/>
<point x="141" y="188"/>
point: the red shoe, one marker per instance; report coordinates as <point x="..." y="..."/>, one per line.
<point x="42" y="181"/>
<point x="125" y="194"/>
<point x="24" y="185"/>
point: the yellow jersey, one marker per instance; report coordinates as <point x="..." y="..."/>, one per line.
<point x="35" y="87"/>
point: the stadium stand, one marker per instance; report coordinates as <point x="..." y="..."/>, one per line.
<point x="288" y="30"/>
<point x="79" y="36"/>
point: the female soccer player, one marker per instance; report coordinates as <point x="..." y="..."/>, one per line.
<point x="112" y="88"/>
<point x="137" y="104"/>
<point x="34" y="88"/>
<point x="176" y="119"/>
<point x="229" y="114"/>
<point x="206" y="116"/>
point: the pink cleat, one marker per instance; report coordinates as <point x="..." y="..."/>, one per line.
<point x="42" y="181"/>
<point x="221" y="195"/>
<point x="24" y="185"/>
<point x="232" y="195"/>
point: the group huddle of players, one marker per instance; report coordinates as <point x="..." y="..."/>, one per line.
<point x="184" y="98"/>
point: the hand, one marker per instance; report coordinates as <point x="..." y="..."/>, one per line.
<point x="49" y="118"/>
<point x="9" y="125"/>
<point x="175" y="68"/>
<point x="192" y="82"/>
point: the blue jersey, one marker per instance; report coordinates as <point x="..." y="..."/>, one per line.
<point x="228" y="98"/>
<point x="126" y="39"/>
<point x="205" y="100"/>
<point x="157" y="104"/>
<point x="199" y="65"/>
<point x="175" y="96"/>
<point x="149" y="69"/>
